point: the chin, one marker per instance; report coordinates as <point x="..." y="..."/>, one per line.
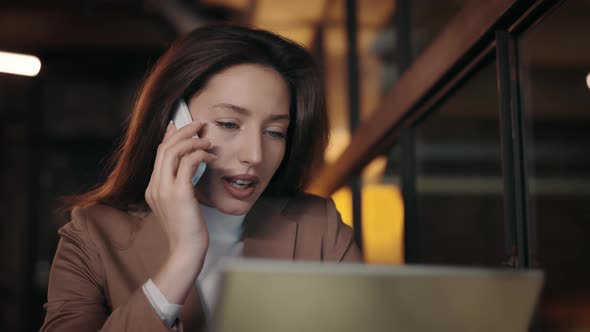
<point x="217" y="197"/>
<point x="233" y="207"/>
<point x="224" y="203"/>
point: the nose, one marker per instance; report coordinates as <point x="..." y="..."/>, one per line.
<point x="250" y="150"/>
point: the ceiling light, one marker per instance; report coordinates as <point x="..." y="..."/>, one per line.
<point x="19" y="64"/>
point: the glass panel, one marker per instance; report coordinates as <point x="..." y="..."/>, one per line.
<point x="374" y="47"/>
<point x="383" y="210"/>
<point x="460" y="212"/>
<point x="379" y="56"/>
<point x="381" y="202"/>
<point x="556" y="63"/>
<point x="376" y="68"/>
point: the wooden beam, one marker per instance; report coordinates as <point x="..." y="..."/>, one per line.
<point x="471" y="26"/>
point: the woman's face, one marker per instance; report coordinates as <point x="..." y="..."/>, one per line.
<point x="245" y="109"/>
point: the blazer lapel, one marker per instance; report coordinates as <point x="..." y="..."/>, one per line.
<point x="268" y="233"/>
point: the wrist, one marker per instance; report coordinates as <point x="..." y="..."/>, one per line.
<point x="181" y="268"/>
<point x="188" y="249"/>
<point x="187" y="257"/>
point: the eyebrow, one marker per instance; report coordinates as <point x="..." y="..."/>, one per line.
<point x="245" y="111"/>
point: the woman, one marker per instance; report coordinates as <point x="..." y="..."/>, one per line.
<point x="141" y="250"/>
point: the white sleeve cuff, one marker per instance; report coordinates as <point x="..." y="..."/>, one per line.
<point x="167" y="311"/>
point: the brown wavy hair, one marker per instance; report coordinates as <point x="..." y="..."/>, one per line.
<point x="183" y="70"/>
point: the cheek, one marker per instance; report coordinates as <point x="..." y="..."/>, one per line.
<point x="210" y="131"/>
<point x="275" y="157"/>
<point x="223" y="146"/>
<point x="224" y="157"/>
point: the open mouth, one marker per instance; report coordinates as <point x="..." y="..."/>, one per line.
<point x="240" y="184"/>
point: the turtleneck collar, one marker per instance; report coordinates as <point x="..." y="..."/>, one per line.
<point x="220" y="225"/>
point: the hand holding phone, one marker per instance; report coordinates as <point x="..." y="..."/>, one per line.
<point x="173" y="202"/>
<point x="182" y="117"/>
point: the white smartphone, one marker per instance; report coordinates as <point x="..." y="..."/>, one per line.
<point x="181" y="117"/>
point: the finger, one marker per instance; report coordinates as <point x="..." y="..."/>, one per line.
<point x="185" y="132"/>
<point x="154" y="179"/>
<point x="174" y="154"/>
<point x="190" y="162"/>
<point x="147" y="196"/>
<point x="170" y="129"/>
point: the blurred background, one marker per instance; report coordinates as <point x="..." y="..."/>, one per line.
<point x="460" y="129"/>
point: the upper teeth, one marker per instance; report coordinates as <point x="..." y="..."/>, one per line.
<point x="239" y="181"/>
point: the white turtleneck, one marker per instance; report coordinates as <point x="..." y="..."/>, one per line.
<point x="225" y="240"/>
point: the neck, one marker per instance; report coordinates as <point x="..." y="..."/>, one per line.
<point x="221" y="224"/>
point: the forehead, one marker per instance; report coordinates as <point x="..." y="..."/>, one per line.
<point x="260" y="89"/>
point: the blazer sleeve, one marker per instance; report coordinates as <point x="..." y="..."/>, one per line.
<point x="76" y="294"/>
<point x="338" y="244"/>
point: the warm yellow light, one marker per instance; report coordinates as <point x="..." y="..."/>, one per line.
<point x="588" y="81"/>
<point x="343" y="200"/>
<point x="382" y="220"/>
<point x="339" y="139"/>
<point x="373" y="172"/>
<point x="383" y="224"/>
<point x="19" y="64"/>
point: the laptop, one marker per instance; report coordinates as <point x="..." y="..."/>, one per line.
<point x="263" y="295"/>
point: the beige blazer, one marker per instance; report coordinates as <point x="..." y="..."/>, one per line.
<point x="105" y="255"/>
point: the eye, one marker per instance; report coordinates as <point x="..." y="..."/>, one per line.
<point x="227" y="125"/>
<point x="276" y="134"/>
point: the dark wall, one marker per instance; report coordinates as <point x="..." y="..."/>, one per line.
<point x="57" y="131"/>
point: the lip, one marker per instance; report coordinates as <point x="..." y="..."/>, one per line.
<point x="245" y="177"/>
<point x="240" y="193"/>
